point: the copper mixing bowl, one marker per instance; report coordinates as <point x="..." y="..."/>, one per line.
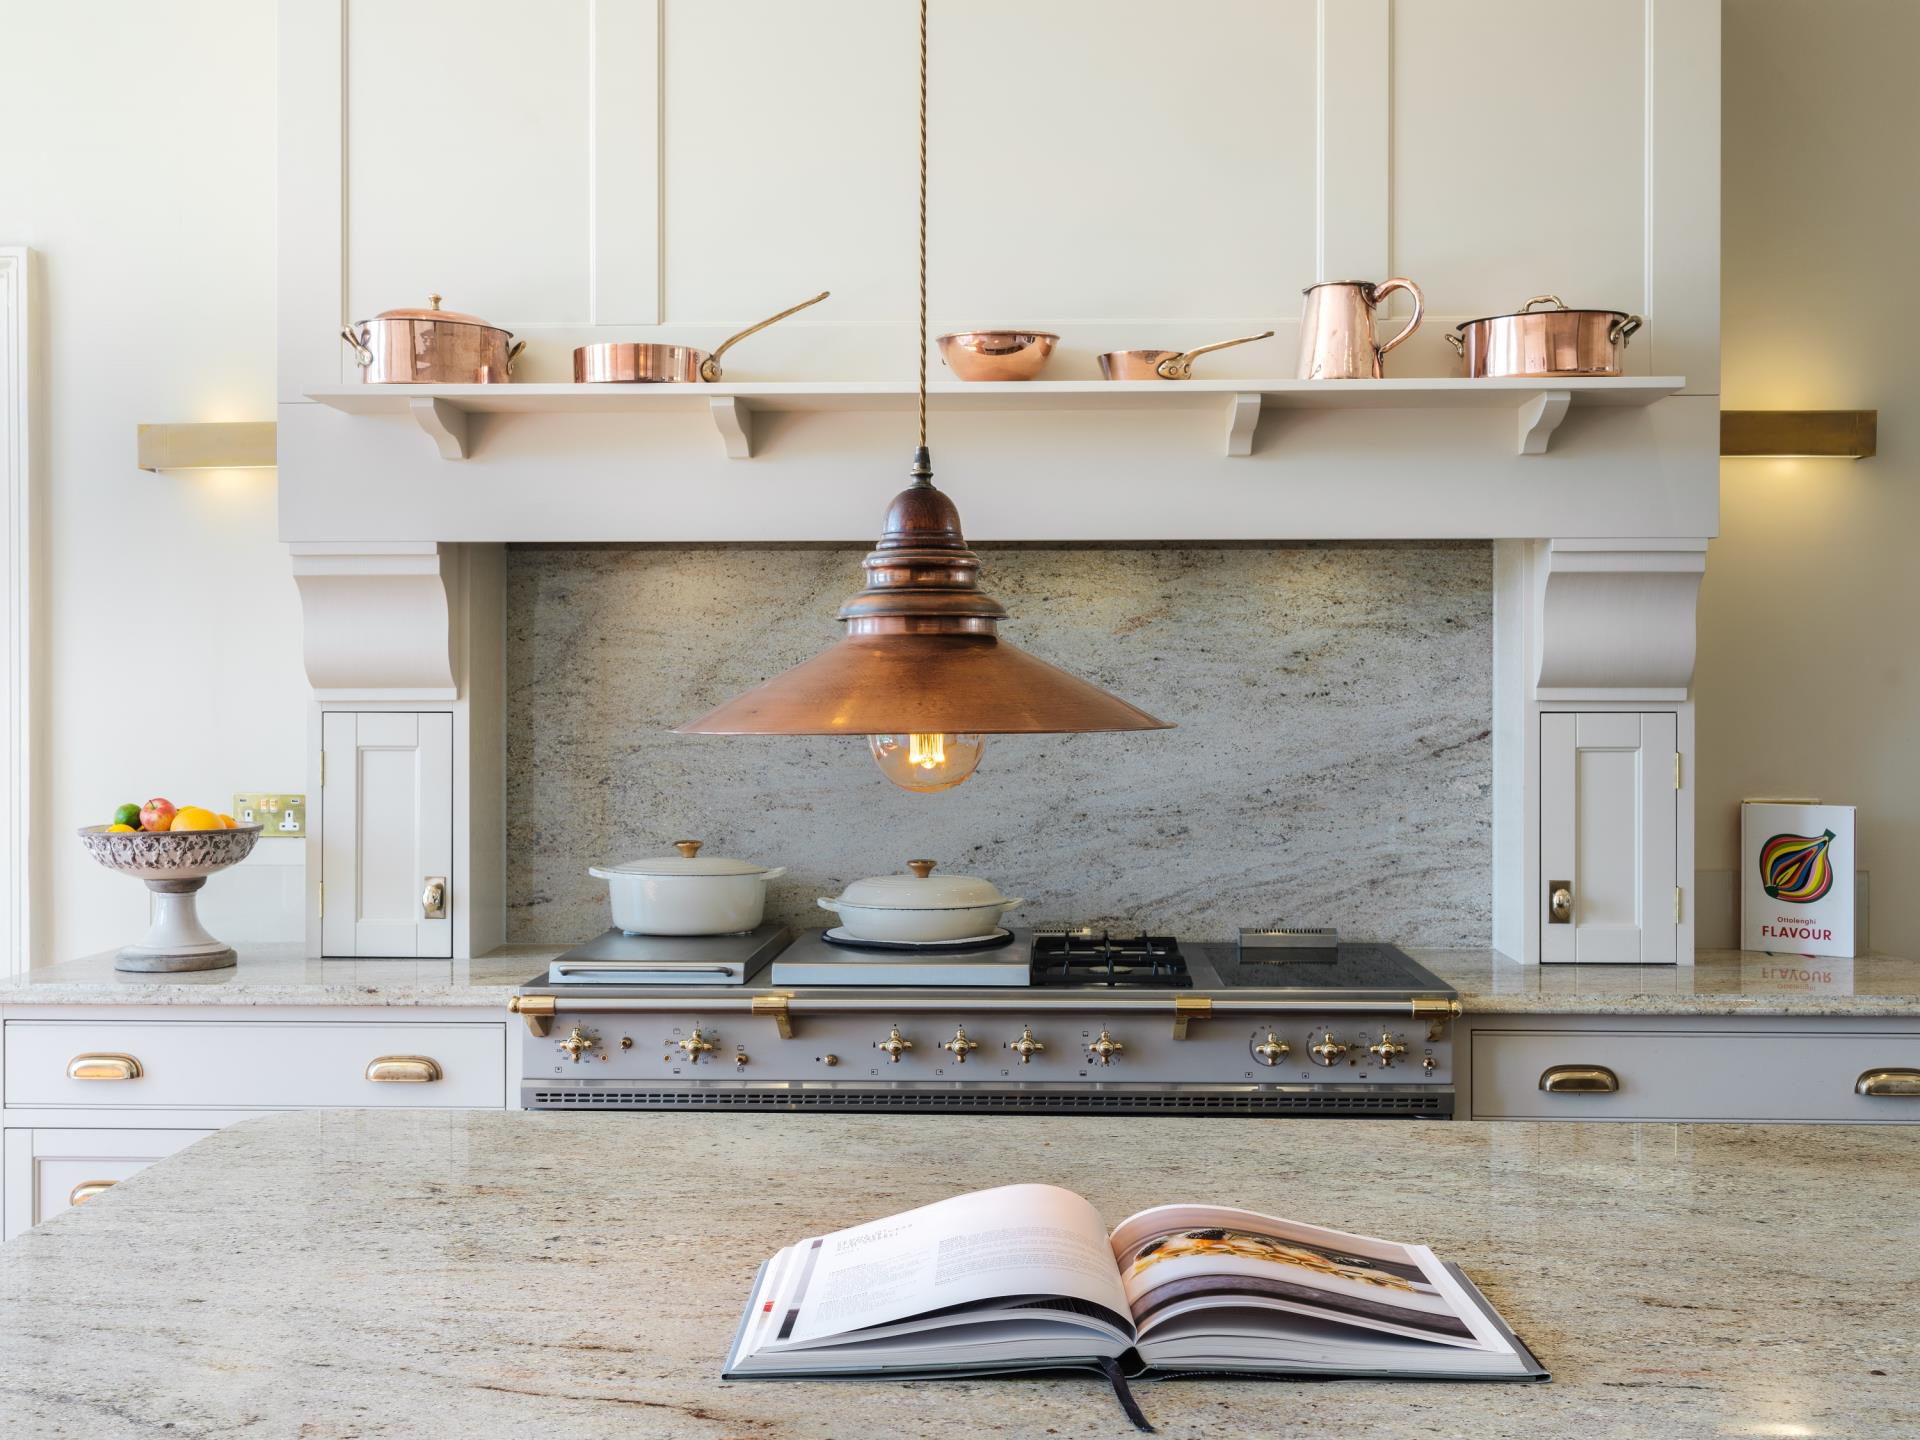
<point x="996" y="354"/>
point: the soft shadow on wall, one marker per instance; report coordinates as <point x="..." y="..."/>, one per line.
<point x="1332" y="763"/>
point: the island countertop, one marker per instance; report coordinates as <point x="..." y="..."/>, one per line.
<point x="1723" y="982"/>
<point x="405" y="1273"/>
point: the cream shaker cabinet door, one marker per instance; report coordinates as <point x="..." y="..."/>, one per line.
<point x="1609" y="816"/>
<point x="387" y="834"/>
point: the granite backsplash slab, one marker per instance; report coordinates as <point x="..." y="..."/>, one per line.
<point x="1332" y="763"/>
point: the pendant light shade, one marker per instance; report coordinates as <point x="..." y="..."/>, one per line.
<point x="921" y="654"/>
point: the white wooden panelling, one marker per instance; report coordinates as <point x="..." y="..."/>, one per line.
<point x="1608" y="816"/>
<point x="1353" y="150"/>
<point x="1519" y="153"/>
<point x="496" y="92"/>
<point x="311" y="231"/>
<point x="42" y="1166"/>
<point x="17" y="791"/>
<point x="387" y="827"/>
<point x="1683" y="208"/>
<point x="624" y="51"/>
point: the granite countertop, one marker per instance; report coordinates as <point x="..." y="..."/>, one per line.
<point x="404" y="1273"/>
<point x="1722" y="982"/>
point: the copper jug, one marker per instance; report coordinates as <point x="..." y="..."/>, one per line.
<point x="1336" y="331"/>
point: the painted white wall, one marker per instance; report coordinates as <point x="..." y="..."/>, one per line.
<point x="1809" y="675"/>
<point x="140" y="165"/>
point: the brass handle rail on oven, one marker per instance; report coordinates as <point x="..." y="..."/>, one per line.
<point x="538" y="1010"/>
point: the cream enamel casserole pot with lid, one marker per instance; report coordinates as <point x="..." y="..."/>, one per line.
<point x="688" y="893"/>
<point x="920" y="908"/>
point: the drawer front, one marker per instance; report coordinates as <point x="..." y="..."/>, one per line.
<point x="1689" y="1075"/>
<point x="238" y="1065"/>
<point x="49" y="1171"/>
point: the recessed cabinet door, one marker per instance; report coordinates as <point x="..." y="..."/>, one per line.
<point x="1608" y="838"/>
<point x="387" y="837"/>
<point x="48" y="1171"/>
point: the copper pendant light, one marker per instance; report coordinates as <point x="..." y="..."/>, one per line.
<point x="921" y="670"/>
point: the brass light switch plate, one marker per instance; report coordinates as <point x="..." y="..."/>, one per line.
<point x="283" y="816"/>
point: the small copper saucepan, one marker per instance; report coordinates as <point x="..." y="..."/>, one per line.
<point x="1163" y="364"/>
<point x="630" y="362"/>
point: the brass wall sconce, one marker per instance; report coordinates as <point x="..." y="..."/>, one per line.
<point x="1799" y="434"/>
<point x="215" y="445"/>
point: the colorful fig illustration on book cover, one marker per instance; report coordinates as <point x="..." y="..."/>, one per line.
<point x="1797" y="868"/>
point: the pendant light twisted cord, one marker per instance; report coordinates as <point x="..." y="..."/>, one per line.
<point x="923" y="468"/>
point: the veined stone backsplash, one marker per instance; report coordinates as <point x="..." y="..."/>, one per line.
<point x="1332" y="763"/>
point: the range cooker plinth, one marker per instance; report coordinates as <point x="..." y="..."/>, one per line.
<point x="1133" y="1024"/>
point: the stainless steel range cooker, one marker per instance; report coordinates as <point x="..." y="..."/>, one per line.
<point x="1070" y="1022"/>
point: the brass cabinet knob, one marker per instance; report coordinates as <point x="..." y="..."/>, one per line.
<point x="1894" y="1082"/>
<point x="87" y="1189"/>
<point x="695" y="1045"/>
<point x="404" y="1070"/>
<point x="578" y="1043"/>
<point x="1272" y="1050"/>
<point x="1104" y="1049"/>
<point x="433" y="898"/>
<point x="1579" y="1080"/>
<point x="1327" y="1050"/>
<point x="894" y="1045"/>
<point x="1026" y="1047"/>
<point x="1559" y="903"/>
<point x="104" y="1067"/>
<point x="959" y="1045"/>
<point x="1387" y="1050"/>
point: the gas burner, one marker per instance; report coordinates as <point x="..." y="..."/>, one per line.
<point x="1088" y="957"/>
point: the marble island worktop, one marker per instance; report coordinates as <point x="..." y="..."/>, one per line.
<point x="1721" y="983"/>
<point x="405" y="1273"/>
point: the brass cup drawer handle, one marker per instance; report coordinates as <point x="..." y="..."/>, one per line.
<point x="1898" y="1083"/>
<point x="87" y="1189"/>
<point x="104" y="1067"/>
<point x="1579" y="1080"/>
<point x="404" y="1070"/>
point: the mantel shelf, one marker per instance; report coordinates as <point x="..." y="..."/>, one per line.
<point x="1538" y="404"/>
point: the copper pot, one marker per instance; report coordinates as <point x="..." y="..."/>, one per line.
<point x="996" y="354"/>
<point x="1337" y="336"/>
<point x="431" y="347"/>
<point x="631" y="362"/>
<point x="1544" y="342"/>
<point x="1163" y="364"/>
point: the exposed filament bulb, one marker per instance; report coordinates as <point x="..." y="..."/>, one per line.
<point x="927" y="762"/>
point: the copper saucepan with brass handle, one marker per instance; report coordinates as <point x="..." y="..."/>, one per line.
<point x="1544" y="342"/>
<point x="1164" y="364"/>
<point x="631" y="362"/>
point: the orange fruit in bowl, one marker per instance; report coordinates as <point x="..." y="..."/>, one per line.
<point x="194" y="817"/>
<point x="118" y="829"/>
<point x="227" y="822"/>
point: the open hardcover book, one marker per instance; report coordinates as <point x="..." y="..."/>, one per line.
<point x="1027" y="1277"/>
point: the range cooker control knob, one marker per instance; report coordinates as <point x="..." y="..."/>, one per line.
<point x="1387" y="1051"/>
<point x="1104" y="1049"/>
<point x="695" y="1045"/>
<point x="959" y="1045"/>
<point x="1327" y="1050"/>
<point x="894" y="1045"/>
<point x="1026" y="1047"/>
<point x="1271" y="1051"/>
<point x="578" y="1043"/>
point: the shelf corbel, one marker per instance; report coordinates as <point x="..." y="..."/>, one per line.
<point x="445" y="424"/>
<point x="1540" y="416"/>
<point x="733" y="418"/>
<point x="1243" y="414"/>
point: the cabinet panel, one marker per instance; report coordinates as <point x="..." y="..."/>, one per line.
<point x="1519" y="154"/>
<point x="1680" y="1075"/>
<point x="45" y="1168"/>
<point x="1609" y="816"/>
<point x="387" y="808"/>
<point x="253" y="1066"/>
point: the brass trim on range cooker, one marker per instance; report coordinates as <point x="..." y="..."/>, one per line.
<point x="1288" y="1037"/>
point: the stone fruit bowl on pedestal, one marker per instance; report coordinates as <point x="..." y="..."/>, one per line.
<point x="175" y="864"/>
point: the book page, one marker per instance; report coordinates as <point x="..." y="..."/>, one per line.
<point x="1175" y="1259"/>
<point x="1013" y="1241"/>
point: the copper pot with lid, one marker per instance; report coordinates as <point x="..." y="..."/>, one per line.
<point x="431" y="347"/>
<point x="629" y="362"/>
<point x="1533" y="342"/>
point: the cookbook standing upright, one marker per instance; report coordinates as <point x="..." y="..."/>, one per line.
<point x="1796" y="878"/>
